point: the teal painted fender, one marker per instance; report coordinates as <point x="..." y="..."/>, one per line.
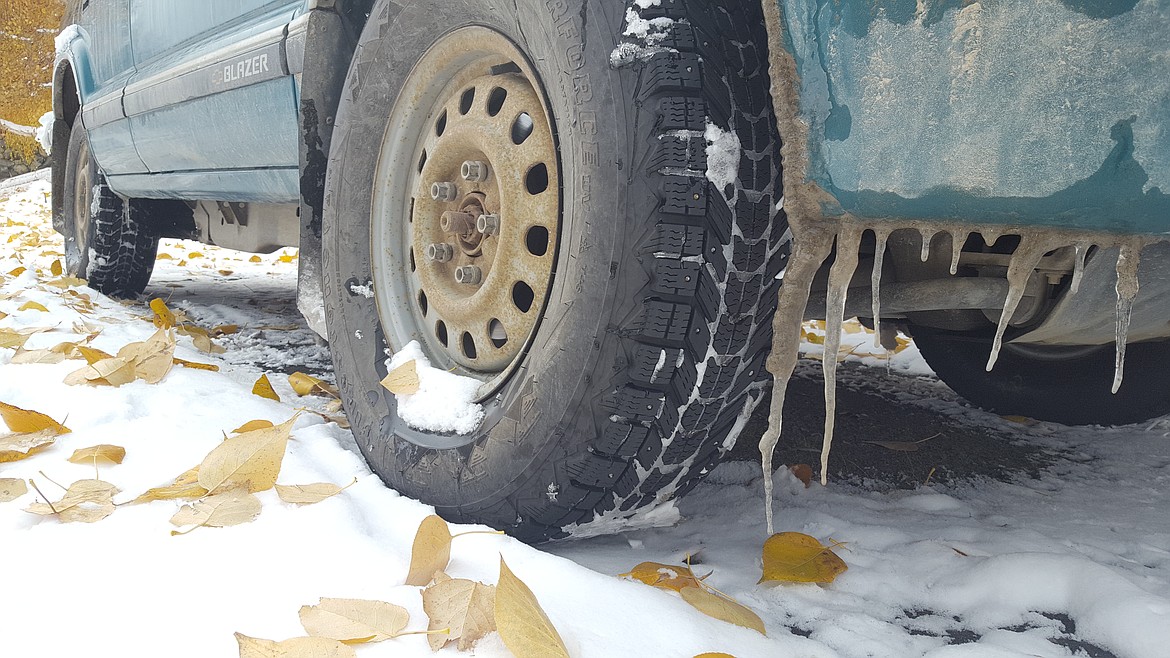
<point x="1012" y="112"/>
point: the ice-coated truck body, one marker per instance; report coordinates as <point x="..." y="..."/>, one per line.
<point x="593" y="209"/>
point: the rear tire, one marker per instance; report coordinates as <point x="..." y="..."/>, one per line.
<point x="108" y="239"/>
<point x="1070" y="385"/>
<point x="648" y="356"/>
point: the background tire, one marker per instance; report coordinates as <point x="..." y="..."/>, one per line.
<point x="108" y="239"/>
<point x="1070" y="385"/>
<point x="649" y="357"/>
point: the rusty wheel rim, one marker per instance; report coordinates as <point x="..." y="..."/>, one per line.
<point x="467" y="208"/>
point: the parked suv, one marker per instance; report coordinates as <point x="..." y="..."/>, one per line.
<point x="594" y="208"/>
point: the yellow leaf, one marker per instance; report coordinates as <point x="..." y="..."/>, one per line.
<point x="250" y="459"/>
<point x="464" y="607"/>
<point x="17" y="271"/>
<point x="66" y="282"/>
<point x="195" y="366"/>
<point x="354" y="621"/>
<point x="201" y="339"/>
<point x="11" y="338"/>
<point x="110" y="372"/>
<point x="14" y="447"/>
<point x="263" y="388"/>
<point x="152" y="359"/>
<point x="431" y="551"/>
<point x="185" y="486"/>
<point x="714" y="654"/>
<point x="722" y="608"/>
<point x="305" y="384"/>
<point x="664" y="576"/>
<point x="164" y="256"/>
<point x="11" y="489"/>
<point x="105" y="453"/>
<point x="3" y="315"/>
<point x="163" y="318"/>
<point x="23" y="421"/>
<point x="307" y="494"/>
<point x="86" y="501"/>
<point x="218" y="511"/>
<point x="252" y="425"/>
<point x="226" y="330"/>
<point x="195" y="254"/>
<point x="298" y="647"/>
<point x="255" y="259"/>
<point x="55" y="268"/>
<point x="33" y="306"/>
<point x="798" y="558"/>
<point x="37" y="356"/>
<point x="92" y="355"/>
<point x="287" y="258"/>
<point x="403" y="380"/>
<point x="524" y="627"/>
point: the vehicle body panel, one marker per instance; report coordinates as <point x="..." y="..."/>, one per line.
<point x="1014" y="112"/>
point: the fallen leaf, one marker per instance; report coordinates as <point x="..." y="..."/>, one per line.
<point x="795" y="557"/>
<point x="194" y="254"/>
<point x="23" y="421"/>
<point x="164" y="256"/>
<point x="110" y="372"/>
<point x="287" y="258"/>
<point x="55" y="268"/>
<point x="722" y="608"/>
<point x="252" y="425"/>
<point x="714" y="654"/>
<point x="92" y="355"/>
<point x="67" y="282"/>
<point x="33" y="306"/>
<point x="403" y="380"/>
<point x="308" y="494"/>
<point x="163" y="317"/>
<point x="524" y="627"/>
<point x="12" y="339"/>
<point x="195" y="366"/>
<point x="200" y="338"/>
<point x="431" y="551"/>
<point x="263" y="388"/>
<point x="11" y="489"/>
<point x="464" y="607"/>
<point x="255" y="259"/>
<point x="14" y="447"/>
<point x="298" y="647"/>
<point x="152" y="359"/>
<point x="802" y="472"/>
<point x="218" y="511"/>
<point x="185" y="486"/>
<point x="250" y="459"/>
<point x="663" y="576"/>
<point x="17" y="271"/>
<point x="304" y="384"/>
<point x="37" y="356"/>
<point x="354" y="621"/>
<point x="85" y="501"/>
<point x="225" y="330"/>
<point x="104" y="453"/>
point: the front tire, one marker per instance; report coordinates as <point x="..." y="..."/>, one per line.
<point x="651" y="317"/>
<point x="108" y="241"/>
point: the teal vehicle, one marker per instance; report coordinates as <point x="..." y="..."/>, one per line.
<point x="610" y="216"/>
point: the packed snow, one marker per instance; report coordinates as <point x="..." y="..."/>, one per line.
<point x="1073" y="560"/>
<point x="445" y="402"/>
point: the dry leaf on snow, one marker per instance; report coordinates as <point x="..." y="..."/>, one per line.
<point x="798" y="558"/>
<point x="524" y="627"/>
<point x="308" y="494"/>
<point x="185" y="486"/>
<point x="403" y="380"/>
<point x="195" y="366"/>
<point x="86" y="501"/>
<point x="464" y="607"/>
<point x="304" y="385"/>
<point x="251" y="459"/>
<point x="19" y="446"/>
<point x="110" y="372"/>
<point x="14" y="338"/>
<point x="153" y="358"/>
<point x="219" y="511"/>
<point x="11" y="489"/>
<point x="723" y="608"/>
<point x="55" y="268"/>
<point x="104" y="453"/>
<point x="93" y="355"/>
<point x="252" y="425"/>
<point x="354" y="621"/>
<point x="33" y="306"/>
<point x="263" y="388"/>
<point x="298" y="647"/>
<point x="37" y="356"/>
<point x="32" y="431"/>
<point x="714" y="654"/>
<point x="802" y="472"/>
<point x="664" y="576"/>
<point x="163" y="317"/>
<point x="431" y="551"/>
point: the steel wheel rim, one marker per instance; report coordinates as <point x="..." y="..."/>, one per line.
<point x="435" y="129"/>
<point x="82" y="201"/>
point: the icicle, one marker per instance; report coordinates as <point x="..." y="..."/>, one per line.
<point x="881" y="235"/>
<point x="1079" y="266"/>
<point x="839" y="277"/>
<point x="1023" y="262"/>
<point x="958" y="239"/>
<point x="1127" y="289"/>
<point x="927" y="236"/>
<point x="990" y="236"/>
<point x="809" y="251"/>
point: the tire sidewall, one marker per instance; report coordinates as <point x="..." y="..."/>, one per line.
<point x="536" y="413"/>
<point x="76" y="247"/>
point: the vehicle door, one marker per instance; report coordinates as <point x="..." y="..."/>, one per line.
<point x="212" y="106"/>
<point x="104" y="63"/>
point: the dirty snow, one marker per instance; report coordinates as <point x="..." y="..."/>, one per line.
<point x="723" y="155"/>
<point x="1027" y="565"/>
<point x="445" y="402"/>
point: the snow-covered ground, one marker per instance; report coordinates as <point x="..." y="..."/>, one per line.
<point x="1073" y="562"/>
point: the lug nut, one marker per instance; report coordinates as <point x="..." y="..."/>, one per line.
<point x="460" y="223"/>
<point x="440" y="252"/>
<point x="488" y="224"/>
<point x="444" y="191"/>
<point x="474" y="171"/>
<point x="468" y="274"/>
